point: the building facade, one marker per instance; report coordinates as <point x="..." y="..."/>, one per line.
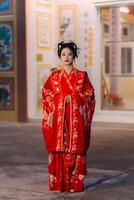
<point x="104" y="31"/>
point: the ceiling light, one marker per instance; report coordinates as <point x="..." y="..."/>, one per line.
<point x="124" y="9"/>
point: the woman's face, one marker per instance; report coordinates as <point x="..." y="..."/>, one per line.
<point x="66" y="57"/>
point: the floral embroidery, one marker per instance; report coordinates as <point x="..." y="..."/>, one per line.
<point x="66" y="166"/>
<point x="50" y="119"/>
<point x="77" y="96"/>
<point x="50" y="158"/>
<point x="81" y="177"/>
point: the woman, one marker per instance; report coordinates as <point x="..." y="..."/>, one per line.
<point x="68" y="106"/>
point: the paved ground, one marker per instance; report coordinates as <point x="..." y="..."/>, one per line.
<point x="23" y="164"/>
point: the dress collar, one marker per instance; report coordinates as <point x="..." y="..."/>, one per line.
<point x="73" y="69"/>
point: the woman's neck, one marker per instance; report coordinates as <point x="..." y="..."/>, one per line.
<point x="67" y="68"/>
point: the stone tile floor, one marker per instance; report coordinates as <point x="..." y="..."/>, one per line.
<point x="23" y="164"/>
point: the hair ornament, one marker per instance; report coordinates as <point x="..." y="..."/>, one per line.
<point x="60" y="46"/>
<point x="67" y="41"/>
<point x="69" y="44"/>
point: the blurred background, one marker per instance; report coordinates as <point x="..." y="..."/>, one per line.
<point x="29" y="34"/>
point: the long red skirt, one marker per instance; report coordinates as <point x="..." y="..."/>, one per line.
<point x="66" y="170"/>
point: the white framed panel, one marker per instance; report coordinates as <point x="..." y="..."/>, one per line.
<point x="101" y="3"/>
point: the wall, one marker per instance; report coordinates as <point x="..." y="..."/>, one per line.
<point x="33" y="9"/>
<point x="92" y="21"/>
<point x="94" y="72"/>
<point x="87" y="14"/>
<point x="13" y="102"/>
<point x="86" y="8"/>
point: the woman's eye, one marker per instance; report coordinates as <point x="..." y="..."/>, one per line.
<point x="67" y="55"/>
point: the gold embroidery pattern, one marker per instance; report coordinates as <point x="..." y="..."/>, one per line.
<point x="50" y="158"/>
<point x="48" y="106"/>
<point x="75" y="107"/>
<point x="48" y="97"/>
<point x="79" y="83"/>
<point x="68" y="81"/>
<point x="55" y="82"/>
<point x="60" y="123"/>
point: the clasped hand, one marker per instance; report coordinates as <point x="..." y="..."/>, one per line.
<point x="67" y="99"/>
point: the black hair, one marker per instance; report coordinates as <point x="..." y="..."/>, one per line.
<point x="68" y="44"/>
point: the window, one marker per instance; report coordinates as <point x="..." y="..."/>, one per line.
<point x="117" y="78"/>
<point x="126" y="60"/>
<point x="107" y="59"/>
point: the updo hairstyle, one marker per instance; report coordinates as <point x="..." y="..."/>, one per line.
<point x="68" y="44"/>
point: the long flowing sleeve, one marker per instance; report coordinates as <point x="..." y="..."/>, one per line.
<point x="48" y="106"/>
<point x="47" y="95"/>
<point x="88" y="96"/>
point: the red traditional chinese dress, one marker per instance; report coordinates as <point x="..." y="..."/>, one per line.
<point x="66" y="127"/>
